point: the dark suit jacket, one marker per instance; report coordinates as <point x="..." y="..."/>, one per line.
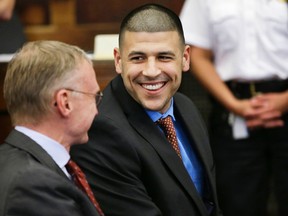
<point x="132" y="168"/>
<point x="31" y="183"/>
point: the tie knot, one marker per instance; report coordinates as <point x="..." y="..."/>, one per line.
<point x="165" y="122"/>
<point x="73" y="168"/>
<point x="71" y="164"/>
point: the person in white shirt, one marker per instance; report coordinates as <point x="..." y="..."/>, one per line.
<point x="239" y="53"/>
<point x="51" y="94"/>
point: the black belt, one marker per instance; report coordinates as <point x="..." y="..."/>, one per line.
<point x="249" y="89"/>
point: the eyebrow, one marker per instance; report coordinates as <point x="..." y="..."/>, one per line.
<point x="143" y="53"/>
<point x="136" y="53"/>
<point x="167" y="53"/>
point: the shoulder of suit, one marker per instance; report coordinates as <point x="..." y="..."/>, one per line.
<point x="182" y="98"/>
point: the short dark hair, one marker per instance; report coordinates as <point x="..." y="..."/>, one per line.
<point x="151" y="18"/>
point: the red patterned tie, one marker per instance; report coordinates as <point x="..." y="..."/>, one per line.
<point x="166" y="124"/>
<point x="80" y="180"/>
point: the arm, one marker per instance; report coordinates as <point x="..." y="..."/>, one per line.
<point x="262" y="111"/>
<point x="205" y="72"/>
<point x="6" y="9"/>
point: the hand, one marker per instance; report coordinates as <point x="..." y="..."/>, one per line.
<point x="267" y="110"/>
<point x="6" y="9"/>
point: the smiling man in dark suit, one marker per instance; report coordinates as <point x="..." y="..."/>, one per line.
<point x="50" y="90"/>
<point x="130" y="164"/>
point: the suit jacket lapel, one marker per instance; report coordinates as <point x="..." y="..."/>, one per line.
<point x="195" y="129"/>
<point x="201" y="141"/>
<point x="21" y="141"/>
<point x="149" y="131"/>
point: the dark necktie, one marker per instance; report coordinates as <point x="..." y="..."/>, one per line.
<point x="80" y="180"/>
<point x="166" y="124"/>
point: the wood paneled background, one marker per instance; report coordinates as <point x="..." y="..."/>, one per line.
<point x="78" y="21"/>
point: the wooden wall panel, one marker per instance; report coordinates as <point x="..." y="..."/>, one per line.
<point x="78" y="21"/>
<point x="113" y="11"/>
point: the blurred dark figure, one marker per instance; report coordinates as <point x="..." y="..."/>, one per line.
<point x="12" y="34"/>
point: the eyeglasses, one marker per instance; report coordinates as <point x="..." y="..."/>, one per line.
<point x="98" y="96"/>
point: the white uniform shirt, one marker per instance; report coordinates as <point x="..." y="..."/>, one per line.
<point x="249" y="38"/>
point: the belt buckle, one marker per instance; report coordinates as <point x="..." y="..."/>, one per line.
<point x="253" y="91"/>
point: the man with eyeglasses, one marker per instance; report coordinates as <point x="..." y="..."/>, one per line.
<point x="50" y="90"/>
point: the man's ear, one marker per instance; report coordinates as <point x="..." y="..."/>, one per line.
<point x="117" y="60"/>
<point x="186" y="58"/>
<point x="62" y="103"/>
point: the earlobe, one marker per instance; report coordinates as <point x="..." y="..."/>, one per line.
<point x="117" y="60"/>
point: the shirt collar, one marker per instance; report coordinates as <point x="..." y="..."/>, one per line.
<point x="154" y="115"/>
<point x="53" y="148"/>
